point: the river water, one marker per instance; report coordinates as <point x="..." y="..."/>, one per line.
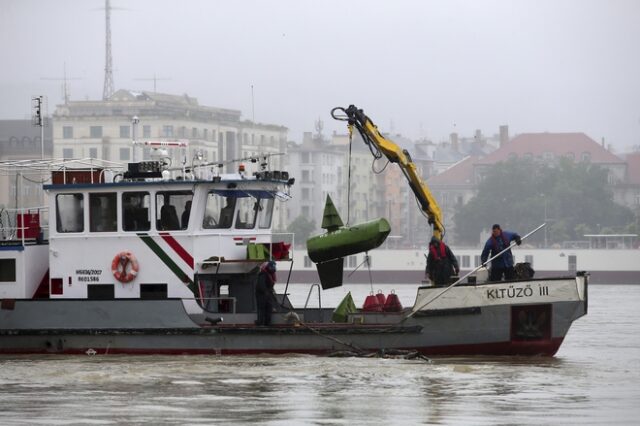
<point x="594" y="379"/>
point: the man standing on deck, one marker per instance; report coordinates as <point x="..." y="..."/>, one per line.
<point x="441" y="263"/>
<point x="264" y="292"/>
<point x="502" y="265"/>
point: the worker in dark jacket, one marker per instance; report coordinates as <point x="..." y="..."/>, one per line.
<point x="441" y="263"/>
<point x="503" y="264"/>
<point x="264" y="292"/>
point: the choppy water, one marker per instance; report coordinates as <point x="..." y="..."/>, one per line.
<point x="594" y="379"/>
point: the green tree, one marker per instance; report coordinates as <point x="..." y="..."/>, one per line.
<point x="521" y="194"/>
<point x="302" y="228"/>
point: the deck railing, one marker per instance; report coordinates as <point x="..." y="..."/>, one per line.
<point x="17" y="225"/>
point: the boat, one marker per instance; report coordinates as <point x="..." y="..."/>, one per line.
<point x="151" y="260"/>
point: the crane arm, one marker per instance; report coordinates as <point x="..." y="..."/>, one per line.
<point x="372" y="137"/>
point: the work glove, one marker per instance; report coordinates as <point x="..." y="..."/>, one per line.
<point x="518" y="240"/>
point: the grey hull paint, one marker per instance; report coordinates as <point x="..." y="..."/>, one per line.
<point x="163" y="327"/>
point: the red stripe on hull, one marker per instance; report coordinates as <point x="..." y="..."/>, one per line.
<point x="175" y="245"/>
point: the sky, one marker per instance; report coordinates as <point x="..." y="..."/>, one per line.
<point x="422" y="69"/>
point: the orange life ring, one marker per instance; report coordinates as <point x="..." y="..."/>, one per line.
<point x="119" y="266"/>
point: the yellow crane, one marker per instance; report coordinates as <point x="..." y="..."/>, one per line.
<point x="380" y="145"/>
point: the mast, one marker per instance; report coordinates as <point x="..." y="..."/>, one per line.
<point x="108" y="67"/>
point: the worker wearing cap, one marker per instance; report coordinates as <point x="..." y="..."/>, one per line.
<point x="503" y="264"/>
<point x="264" y="292"/>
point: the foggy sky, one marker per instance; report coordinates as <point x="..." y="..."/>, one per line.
<point x="420" y="68"/>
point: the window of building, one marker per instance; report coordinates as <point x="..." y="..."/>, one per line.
<point x="194" y="133"/>
<point x="266" y="213"/>
<point x="571" y="156"/>
<point x="586" y="156"/>
<point x="7" y="270"/>
<point x="476" y="261"/>
<point x="218" y="212"/>
<point x="305" y="211"/>
<point x="67" y="132"/>
<point x="70" y="212"/>
<point x="167" y="131"/>
<point x="136" y="211"/>
<point x="173" y="209"/>
<point x="95" y="131"/>
<point x="247" y="212"/>
<point x="146" y="131"/>
<point x="262" y="139"/>
<point x="253" y="139"/>
<point x="305" y="176"/>
<point x="125" y="132"/>
<point x="547" y="156"/>
<point x="182" y="132"/>
<point x="205" y="134"/>
<point x="213" y="135"/>
<point x="93" y="152"/>
<point x="125" y="154"/>
<point x="101" y="292"/>
<point x="102" y="212"/>
<point x="305" y="157"/>
<point x="465" y="261"/>
<point x="305" y="194"/>
<point x="353" y="261"/>
<point x="153" y="291"/>
<point x="67" y="153"/>
<point x="246" y="138"/>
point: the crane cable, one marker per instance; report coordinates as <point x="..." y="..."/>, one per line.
<point x="350" y="128"/>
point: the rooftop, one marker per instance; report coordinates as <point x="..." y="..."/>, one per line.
<point x="539" y="145"/>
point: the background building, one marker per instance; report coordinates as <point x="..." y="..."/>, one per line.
<point x="20" y="140"/>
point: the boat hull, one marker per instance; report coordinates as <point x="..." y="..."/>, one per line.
<point x="469" y="320"/>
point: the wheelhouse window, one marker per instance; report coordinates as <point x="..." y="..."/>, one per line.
<point x="102" y="212"/>
<point x="248" y="208"/>
<point x="173" y="209"/>
<point x="70" y="213"/>
<point x="266" y="213"/>
<point x="135" y="211"/>
<point x="218" y="212"/>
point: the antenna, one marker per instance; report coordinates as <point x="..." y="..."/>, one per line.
<point x="108" y="67"/>
<point x="154" y="79"/>
<point x="319" y="125"/>
<point x="38" y="119"/>
<point x="65" y="86"/>
<point x="253" y="109"/>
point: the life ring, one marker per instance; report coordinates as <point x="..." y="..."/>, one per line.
<point x="119" y="266"/>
